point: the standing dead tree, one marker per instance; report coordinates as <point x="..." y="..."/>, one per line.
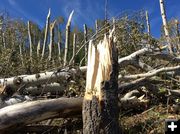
<point x="74" y="49"/>
<point x="68" y="25"/>
<point x="38" y="48"/>
<point x="51" y="39"/>
<point x="100" y="110"/>
<point x="148" y="24"/>
<point x="165" y="26"/>
<point x="30" y="40"/>
<point x="86" y="46"/>
<point x="46" y="33"/>
<point x="178" y="36"/>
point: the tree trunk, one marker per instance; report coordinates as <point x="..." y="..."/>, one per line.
<point x="38" y="48"/>
<point x="19" y="115"/>
<point x="74" y="47"/>
<point x="148" y="24"/>
<point x="30" y="40"/>
<point x="46" y="33"/>
<point x="51" y="39"/>
<point x="86" y="46"/>
<point x="165" y="26"/>
<point x="100" y="104"/>
<point x="68" y="25"/>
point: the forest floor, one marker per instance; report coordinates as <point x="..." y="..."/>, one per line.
<point x="151" y="121"/>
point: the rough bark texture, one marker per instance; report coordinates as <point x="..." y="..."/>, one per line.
<point x="109" y="102"/>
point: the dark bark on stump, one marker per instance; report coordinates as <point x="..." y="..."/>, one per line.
<point x="100" y="111"/>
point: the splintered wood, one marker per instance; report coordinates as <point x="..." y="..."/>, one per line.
<point x="98" y="67"/>
<point x="100" y="104"/>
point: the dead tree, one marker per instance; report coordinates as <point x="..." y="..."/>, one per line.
<point x="30" y="40"/>
<point x="20" y="115"/>
<point x="86" y="46"/>
<point x="100" y="110"/>
<point x="74" y="47"/>
<point x="51" y="39"/>
<point x="165" y="26"/>
<point x="148" y="24"/>
<point x="68" y="25"/>
<point x="38" y="48"/>
<point x="46" y="33"/>
<point x="178" y="35"/>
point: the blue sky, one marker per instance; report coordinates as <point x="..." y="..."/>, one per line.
<point x="87" y="11"/>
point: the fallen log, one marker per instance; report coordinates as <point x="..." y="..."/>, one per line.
<point x="19" y="115"/>
<point x="59" y="75"/>
<point x="53" y="88"/>
<point x="150" y="73"/>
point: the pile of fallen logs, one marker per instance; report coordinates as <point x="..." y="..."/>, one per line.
<point x="106" y="91"/>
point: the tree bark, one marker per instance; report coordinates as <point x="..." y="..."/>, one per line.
<point x="68" y="25"/>
<point x="85" y="40"/>
<point x="51" y="39"/>
<point x="100" y="104"/>
<point x="165" y="26"/>
<point x="148" y="24"/>
<point x="46" y="34"/>
<point x="30" y="40"/>
<point x="38" y="48"/>
<point x="19" y="115"/>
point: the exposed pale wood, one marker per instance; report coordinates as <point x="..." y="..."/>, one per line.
<point x="148" y="24"/>
<point x="150" y="73"/>
<point x="51" y="39"/>
<point x="38" y="48"/>
<point x="4" y="39"/>
<point x="59" y="51"/>
<point x="74" y="49"/>
<point x="18" y="115"/>
<point x="21" y="54"/>
<point x="165" y="26"/>
<point x="30" y="40"/>
<point x="100" y="101"/>
<point x="67" y="38"/>
<point x="46" y="33"/>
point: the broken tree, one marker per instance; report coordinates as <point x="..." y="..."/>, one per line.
<point x="100" y="104"/>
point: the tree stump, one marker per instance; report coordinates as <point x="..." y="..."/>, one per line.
<point x="100" y="104"/>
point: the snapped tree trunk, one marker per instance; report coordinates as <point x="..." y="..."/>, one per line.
<point x="100" y="104"/>
<point x="165" y="26"/>
<point x="148" y="24"/>
<point x="86" y="46"/>
<point x="68" y="25"/>
<point x="51" y="39"/>
<point x="46" y="33"/>
<point x="30" y="40"/>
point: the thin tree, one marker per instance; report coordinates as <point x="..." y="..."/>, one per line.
<point x="148" y="24"/>
<point x="68" y="25"/>
<point x="30" y="40"/>
<point x="165" y="26"/>
<point x="46" y="33"/>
